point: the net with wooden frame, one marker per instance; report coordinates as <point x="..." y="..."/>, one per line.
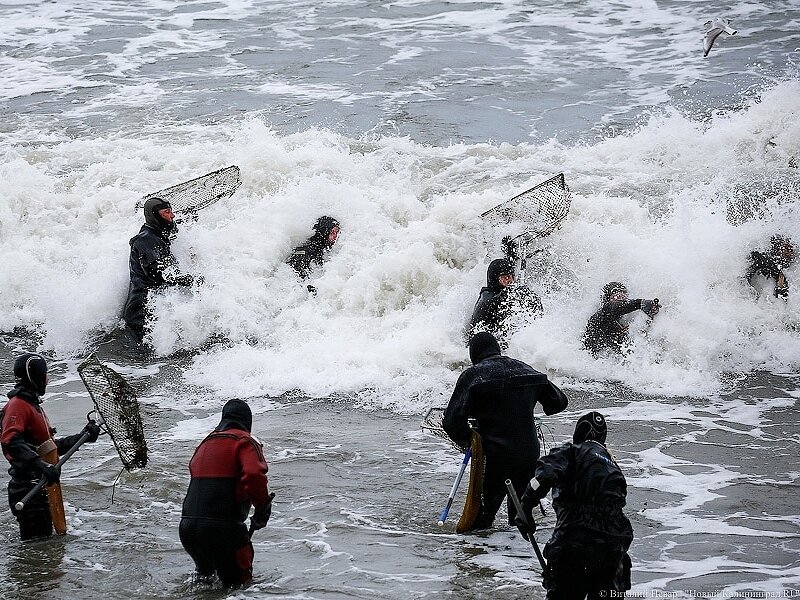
<point x="190" y="196"/>
<point x="116" y="402"/>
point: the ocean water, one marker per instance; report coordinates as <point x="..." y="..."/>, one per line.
<point x="406" y="120"/>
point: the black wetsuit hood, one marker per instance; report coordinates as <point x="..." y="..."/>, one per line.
<point x="499" y="266"/>
<point x="482" y="346"/>
<point x="236" y="414"/>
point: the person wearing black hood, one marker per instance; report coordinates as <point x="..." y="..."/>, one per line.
<point x="228" y="476"/>
<point x="605" y="329"/>
<point x="306" y="255"/>
<point x="770" y="265"/>
<point x="500" y="299"/>
<point x="500" y="393"/>
<point x="152" y="264"/>
<point x="588" y="551"/>
<point x="26" y="438"/>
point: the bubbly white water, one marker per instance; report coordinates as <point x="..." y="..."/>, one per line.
<point x="406" y="120"/>
<point x="649" y="208"/>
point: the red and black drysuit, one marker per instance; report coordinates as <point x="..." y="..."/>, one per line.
<point x="228" y="475"/>
<point x="25" y="427"/>
<point x="500" y="393"/>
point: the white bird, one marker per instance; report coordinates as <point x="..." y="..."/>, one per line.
<point x="713" y="30"/>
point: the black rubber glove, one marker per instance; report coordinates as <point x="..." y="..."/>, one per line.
<point x="526" y="526"/>
<point x="261" y="516"/>
<point x="93" y="429"/>
<point x="51" y="472"/>
<point x="651" y="307"/>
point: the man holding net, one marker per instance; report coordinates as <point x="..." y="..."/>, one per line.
<point x="27" y="439"/>
<point x="228" y="476"/>
<point x="152" y="264"/>
<point x="500" y="393"/>
<point x="501" y="300"/>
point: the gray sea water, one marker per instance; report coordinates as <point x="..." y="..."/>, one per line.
<point x="406" y="120"/>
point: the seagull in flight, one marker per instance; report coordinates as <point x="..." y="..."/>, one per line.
<point x="713" y="30"/>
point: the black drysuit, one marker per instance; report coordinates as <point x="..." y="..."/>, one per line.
<point x="766" y="265"/>
<point x="305" y="256"/>
<point x="605" y="330"/>
<point x="587" y="553"/>
<point x="501" y="393"/>
<point x="496" y="304"/>
<point x="152" y="265"/>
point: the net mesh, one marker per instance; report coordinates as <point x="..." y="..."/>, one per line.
<point x="540" y="209"/>
<point x="190" y="196"/>
<point x="115" y="400"/>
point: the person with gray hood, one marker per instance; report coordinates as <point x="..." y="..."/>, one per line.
<point x="151" y="263"/>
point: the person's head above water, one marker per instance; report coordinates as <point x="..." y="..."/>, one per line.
<point x="483" y="345"/>
<point x="328" y="229"/>
<point x="158" y="214"/>
<point x="614" y="291"/>
<point x="499" y="274"/>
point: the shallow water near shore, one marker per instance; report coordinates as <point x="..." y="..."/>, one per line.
<point x="712" y="497"/>
<point x="405" y="120"/>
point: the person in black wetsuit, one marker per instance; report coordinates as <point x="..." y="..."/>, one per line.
<point x="306" y="255"/>
<point x="152" y="264"/>
<point x="229" y="475"/>
<point x="500" y="393"/>
<point x="500" y="300"/>
<point x="605" y="329"/>
<point x="782" y="254"/>
<point x="588" y="551"/>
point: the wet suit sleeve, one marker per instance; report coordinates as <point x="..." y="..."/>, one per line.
<point x="457" y="411"/>
<point x="761" y="263"/>
<point x="612" y="311"/>
<point x="65" y="443"/>
<point x="552" y="399"/>
<point x="551" y="470"/>
<point x="160" y="265"/>
<point x="253" y="480"/>
<point x="15" y="420"/>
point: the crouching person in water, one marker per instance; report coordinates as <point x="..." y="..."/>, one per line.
<point x="312" y="252"/>
<point x="588" y="551"/>
<point x="770" y="265"/>
<point x="605" y="329"/>
<point x="228" y="476"/>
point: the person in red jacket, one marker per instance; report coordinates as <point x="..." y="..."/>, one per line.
<point x="26" y="437"/>
<point x="228" y="476"/>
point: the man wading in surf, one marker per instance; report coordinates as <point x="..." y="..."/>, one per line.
<point x="229" y="475"/>
<point x="27" y="438"/>
<point x="500" y="300"/>
<point x="605" y="329"/>
<point x="782" y="254"/>
<point x="312" y="252"/>
<point x="500" y="393"/>
<point x="588" y="551"/>
<point x="152" y="264"/>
